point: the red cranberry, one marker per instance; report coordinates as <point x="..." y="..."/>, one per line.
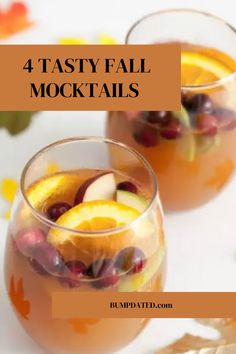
<point x="131" y="260"/>
<point x="74" y="270"/>
<point x="226" y="118"/>
<point x="77" y="268"/>
<point x="184" y="98"/>
<point x="199" y="103"/>
<point x="106" y="273"/>
<point x="127" y="186"/>
<point x="27" y="240"/>
<point x="173" y="130"/>
<point x="146" y="135"/>
<point x="37" y="268"/>
<point x="49" y="258"/>
<point x="158" y="117"/>
<point x="57" y="209"/>
<point x="207" y="124"/>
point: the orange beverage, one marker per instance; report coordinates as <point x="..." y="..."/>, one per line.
<point x="193" y="152"/>
<point x="83" y="229"/>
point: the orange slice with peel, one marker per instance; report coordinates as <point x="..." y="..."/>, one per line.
<point x="103" y="216"/>
<point x="198" y="68"/>
<point x="98" y="215"/>
<point x="47" y="191"/>
<point x="51" y="188"/>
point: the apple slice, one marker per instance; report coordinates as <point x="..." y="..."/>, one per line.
<point x="100" y="187"/>
<point x="132" y="200"/>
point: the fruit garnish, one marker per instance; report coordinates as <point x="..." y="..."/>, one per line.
<point x="106" y="273"/>
<point x="101" y="216"/>
<point x="207" y="125"/>
<point x="51" y="188"/>
<point x="135" y="282"/>
<point x="145" y="135"/>
<point x="199" y="103"/>
<point x="37" y="268"/>
<point x="187" y="144"/>
<point x="158" y="117"/>
<point x="173" y="130"/>
<point x="92" y="216"/>
<point x="131" y="260"/>
<point x="101" y="187"/>
<point x="56" y="210"/>
<point x="132" y="200"/>
<point x="198" y="68"/>
<point x="183" y="117"/>
<point x="127" y="186"/>
<point x="74" y="271"/>
<point x="49" y="258"/>
<point x="205" y="144"/>
<point x="76" y="268"/>
<point x="28" y="240"/>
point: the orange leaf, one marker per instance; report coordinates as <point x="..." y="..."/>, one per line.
<point x="16" y="294"/>
<point x="80" y="325"/>
<point x="221" y="175"/>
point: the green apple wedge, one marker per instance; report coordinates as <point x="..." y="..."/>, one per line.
<point x="132" y="200"/>
<point x="187" y="145"/>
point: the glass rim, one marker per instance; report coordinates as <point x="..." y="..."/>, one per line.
<point x="218" y="82"/>
<point x="51" y="224"/>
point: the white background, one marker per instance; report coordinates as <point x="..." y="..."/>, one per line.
<point x="201" y="243"/>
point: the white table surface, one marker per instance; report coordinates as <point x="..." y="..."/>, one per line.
<point x="201" y="243"/>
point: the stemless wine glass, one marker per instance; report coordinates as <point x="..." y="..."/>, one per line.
<point x="192" y="151"/>
<point x="85" y="227"/>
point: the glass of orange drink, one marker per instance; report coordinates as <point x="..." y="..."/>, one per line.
<point x="83" y="225"/>
<point x="193" y="151"/>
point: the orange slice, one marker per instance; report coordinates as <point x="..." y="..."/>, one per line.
<point x="47" y="191"/>
<point x="51" y="189"/>
<point x="102" y="215"/>
<point x="197" y="69"/>
<point x="99" y="215"/>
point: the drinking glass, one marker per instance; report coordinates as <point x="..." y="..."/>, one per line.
<point x="193" y="152"/>
<point x="68" y="233"/>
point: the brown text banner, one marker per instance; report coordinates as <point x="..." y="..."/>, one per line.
<point x="67" y="305"/>
<point x="90" y="77"/>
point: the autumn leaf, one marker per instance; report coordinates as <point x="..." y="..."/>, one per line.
<point x="15" y="122"/>
<point x="187" y="343"/>
<point x="222" y="174"/>
<point x="17" y="297"/>
<point x="80" y="325"/>
<point x="190" y="344"/>
<point x="225" y="326"/>
<point x="13" y="19"/>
